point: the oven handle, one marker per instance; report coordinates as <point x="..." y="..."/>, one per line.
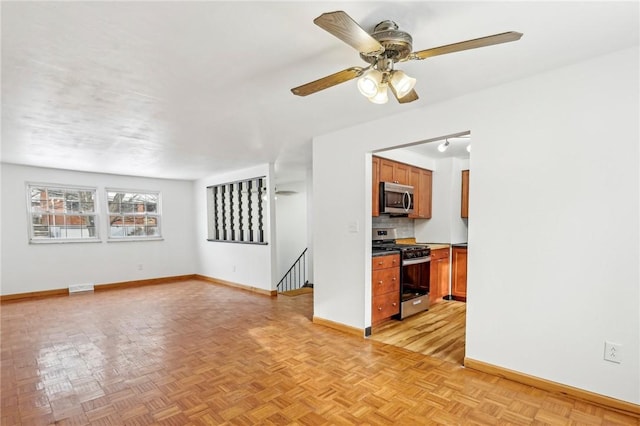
<point x="416" y="261"/>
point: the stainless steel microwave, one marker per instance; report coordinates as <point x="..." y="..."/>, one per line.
<point x="396" y="198"/>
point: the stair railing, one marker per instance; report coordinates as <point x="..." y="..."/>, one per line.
<point x="296" y="276"/>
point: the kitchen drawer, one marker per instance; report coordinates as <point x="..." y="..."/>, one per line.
<point x="439" y="254"/>
<point x="386" y="280"/>
<point x="385" y="306"/>
<point x="382" y="262"/>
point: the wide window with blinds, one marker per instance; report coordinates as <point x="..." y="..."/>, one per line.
<point x="236" y="211"/>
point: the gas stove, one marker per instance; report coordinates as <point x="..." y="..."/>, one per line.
<point x="414" y="272"/>
<point x="385" y="239"/>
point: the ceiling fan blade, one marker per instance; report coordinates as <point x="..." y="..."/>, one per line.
<point x="466" y="45"/>
<point x="346" y="29"/>
<point x="328" y="81"/>
<point x="409" y="97"/>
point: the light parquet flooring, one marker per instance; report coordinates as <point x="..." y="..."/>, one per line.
<point x="438" y="332"/>
<point x="193" y="353"/>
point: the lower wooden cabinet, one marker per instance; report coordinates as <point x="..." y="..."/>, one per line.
<point x="459" y="273"/>
<point x="385" y="287"/>
<point x="439" y="280"/>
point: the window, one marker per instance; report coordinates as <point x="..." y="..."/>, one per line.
<point x="62" y="213"/>
<point x="133" y="215"/>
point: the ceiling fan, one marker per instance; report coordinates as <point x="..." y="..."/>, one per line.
<point x="382" y="49"/>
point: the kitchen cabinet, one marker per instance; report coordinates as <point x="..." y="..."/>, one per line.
<point x="375" y="187"/>
<point x="459" y="273"/>
<point x="392" y="171"/>
<point x="420" y="179"/>
<point x="385" y="170"/>
<point x="439" y="279"/>
<point x="385" y="287"/>
<point x="464" y="205"/>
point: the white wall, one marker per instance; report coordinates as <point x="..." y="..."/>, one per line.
<point x="38" y="267"/>
<point x="554" y="238"/>
<point x="291" y="222"/>
<point x="251" y="265"/>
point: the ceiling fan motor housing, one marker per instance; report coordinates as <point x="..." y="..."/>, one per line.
<point x="397" y="44"/>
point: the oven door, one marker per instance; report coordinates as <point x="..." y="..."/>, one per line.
<point x="415" y="277"/>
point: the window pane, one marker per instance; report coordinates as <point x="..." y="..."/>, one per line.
<point x="130" y="214"/>
<point x="87" y="207"/>
<point x="56" y="213"/>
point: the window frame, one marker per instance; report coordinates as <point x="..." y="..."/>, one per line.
<point x="33" y="239"/>
<point x="157" y="215"/>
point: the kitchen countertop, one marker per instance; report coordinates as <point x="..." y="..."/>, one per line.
<point x="436" y="246"/>
<point x="432" y="246"/>
<point x="412" y="241"/>
<point x="378" y="252"/>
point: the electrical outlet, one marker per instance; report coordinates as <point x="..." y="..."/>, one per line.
<point x="613" y="352"/>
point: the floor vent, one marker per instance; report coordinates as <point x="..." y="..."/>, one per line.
<point x="80" y="288"/>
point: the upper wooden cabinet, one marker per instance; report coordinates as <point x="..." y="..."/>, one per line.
<point x="384" y="170"/>
<point x="420" y="179"/>
<point x="392" y="171"/>
<point x="464" y="206"/>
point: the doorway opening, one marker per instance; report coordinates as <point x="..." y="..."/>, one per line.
<point x="439" y="331"/>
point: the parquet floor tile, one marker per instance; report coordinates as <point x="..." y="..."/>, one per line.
<point x="193" y="353"/>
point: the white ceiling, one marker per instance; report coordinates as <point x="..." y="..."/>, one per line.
<point x="187" y="89"/>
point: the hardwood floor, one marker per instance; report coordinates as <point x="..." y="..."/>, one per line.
<point x="193" y="353"/>
<point x="438" y="332"/>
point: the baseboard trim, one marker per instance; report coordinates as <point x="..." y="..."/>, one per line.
<point x="141" y="283"/>
<point x="338" y="326"/>
<point x="34" y="295"/>
<point x="548" y="385"/>
<point x="99" y="287"/>
<point x="270" y="293"/>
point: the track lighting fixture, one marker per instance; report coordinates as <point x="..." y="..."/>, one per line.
<point x="443" y="146"/>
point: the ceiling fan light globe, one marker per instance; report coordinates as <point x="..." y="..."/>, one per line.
<point x="368" y="84"/>
<point x="402" y="83"/>
<point x="381" y="96"/>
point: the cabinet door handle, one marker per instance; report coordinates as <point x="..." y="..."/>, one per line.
<point x="393" y="279"/>
<point x="379" y="308"/>
<point x="380" y="282"/>
<point x="380" y="263"/>
<point x="395" y="304"/>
